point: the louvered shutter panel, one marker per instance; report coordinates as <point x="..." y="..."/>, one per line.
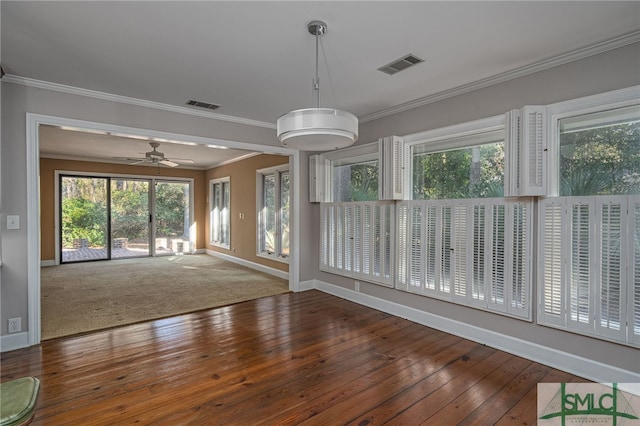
<point x="520" y="261"/>
<point x="417" y="242"/>
<point x="533" y="151"/>
<point x="401" y="246"/>
<point x="367" y="239"/>
<point x="610" y="309"/>
<point x="324" y="237"/>
<point x="581" y="275"/>
<point x="392" y="166"/>
<point x="387" y="241"/>
<point x="526" y="152"/>
<point x="479" y="267"/>
<point x="552" y="308"/>
<point x="349" y="211"/>
<point x="633" y="298"/>
<point x="430" y="248"/>
<point x="444" y="272"/>
<point x="512" y="154"/>
<point x="497" y="286"/>
<point x="459" y="252"/>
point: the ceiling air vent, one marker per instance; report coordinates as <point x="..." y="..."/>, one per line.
<point x="401" y="64"/>
<point x="203" y="104"/>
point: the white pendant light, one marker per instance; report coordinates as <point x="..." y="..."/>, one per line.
<point x="317" y="129"/>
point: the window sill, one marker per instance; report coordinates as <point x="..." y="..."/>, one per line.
<point x="273" y="257"/>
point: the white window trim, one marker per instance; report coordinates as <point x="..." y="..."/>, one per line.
<point x="213" y="182"/>
<point x="259" y="202"/>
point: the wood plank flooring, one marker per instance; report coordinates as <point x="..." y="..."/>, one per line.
<point x="298" y="358"/>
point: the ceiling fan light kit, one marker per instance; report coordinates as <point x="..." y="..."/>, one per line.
<point x="317" y="129"/>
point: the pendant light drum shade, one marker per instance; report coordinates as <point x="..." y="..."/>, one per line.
<point x="317" y="129"/>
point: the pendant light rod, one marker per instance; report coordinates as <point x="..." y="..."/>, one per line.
<point x="317" y="28"/>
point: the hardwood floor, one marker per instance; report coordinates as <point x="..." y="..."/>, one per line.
<point x="295" y="358"/>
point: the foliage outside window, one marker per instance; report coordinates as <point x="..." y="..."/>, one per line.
<point x="273" y="212"/>
<point x="220" y="212"/>
<point x="473" y="171"/>
<point x="355" y="181"/>
<point x="600" y="153"/>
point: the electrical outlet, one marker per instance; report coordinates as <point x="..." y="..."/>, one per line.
<point x="15" y="325"/>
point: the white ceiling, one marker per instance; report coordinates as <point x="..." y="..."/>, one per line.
<point x="256" y="59"/>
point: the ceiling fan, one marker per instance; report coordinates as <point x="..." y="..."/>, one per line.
<point x="156" y="157"/>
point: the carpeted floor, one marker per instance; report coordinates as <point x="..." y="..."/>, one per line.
<point x="82" y="297"/>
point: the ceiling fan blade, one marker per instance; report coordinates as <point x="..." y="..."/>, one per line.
<point x="181" y="160"/>
<point x="137" y="161"/>
<point x="168" y="163"/>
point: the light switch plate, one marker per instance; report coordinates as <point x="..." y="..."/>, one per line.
<point x="13" y="222"/>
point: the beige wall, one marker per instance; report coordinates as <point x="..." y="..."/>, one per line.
<point x="242" y="176"/>
<point x="48" y="167"/>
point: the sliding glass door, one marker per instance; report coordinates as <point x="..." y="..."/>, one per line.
<point x="84" y="219"/>
<point x="112" y="218"/>
<point x="130" y="219"/>
<point x="171" y="217"/>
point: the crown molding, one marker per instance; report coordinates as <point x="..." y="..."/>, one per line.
<point x="40" y="84"/>
<point x="555" y="61"/>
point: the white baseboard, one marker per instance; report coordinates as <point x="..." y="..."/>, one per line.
<point x="266" y="269"/>
<point x="11" y="342"/>
<point x="200" y="251"/>
<point x="44" y="263"/>
<point x="307" y="285"/>
<point x="574" y="364"/>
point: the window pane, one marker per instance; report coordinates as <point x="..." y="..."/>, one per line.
<point x="356" y="182"/>
<point x="215" y="214"/>
<point x="284" y="214"/>
<point x="225" y="213"/>
<point x="269" y="214"/>
<point x="600" y="153"/>
<point x="473" y="172"/>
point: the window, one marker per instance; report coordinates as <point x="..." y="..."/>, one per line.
<point x="589" y="235"/>
<point x="459" y="239"/>
<point x="273" y="212"/>
<point x="220" y="212"/>
<point x="473" y="168"/>
<point x="600" y="153"/>
<point x="353" y="173"/>
<point x="357" y="230"/>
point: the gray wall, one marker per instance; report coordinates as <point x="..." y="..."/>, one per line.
<point x="612" y="70"/>
<point x="608" y="71"/>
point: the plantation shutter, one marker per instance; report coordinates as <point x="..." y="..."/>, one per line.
<point x="391" y="150"/>
<point x="526" y="152"/>
<point x="550" y="250"/>
<point x="356" y="240"/>
<point x="459" y="252"/>
<point x="472" y="252"/>
<point x="401" y="247"/>
<point x="610" y="311"/>
<point x="581" y="277"/>
<point x="633" y="295"/>
<point x="590" y="265"/>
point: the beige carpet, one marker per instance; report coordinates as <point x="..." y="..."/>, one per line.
<point x="82" y="297"/>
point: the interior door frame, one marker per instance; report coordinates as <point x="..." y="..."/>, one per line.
<point x="109" y="176"/>
<point x="32" y="163"/>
